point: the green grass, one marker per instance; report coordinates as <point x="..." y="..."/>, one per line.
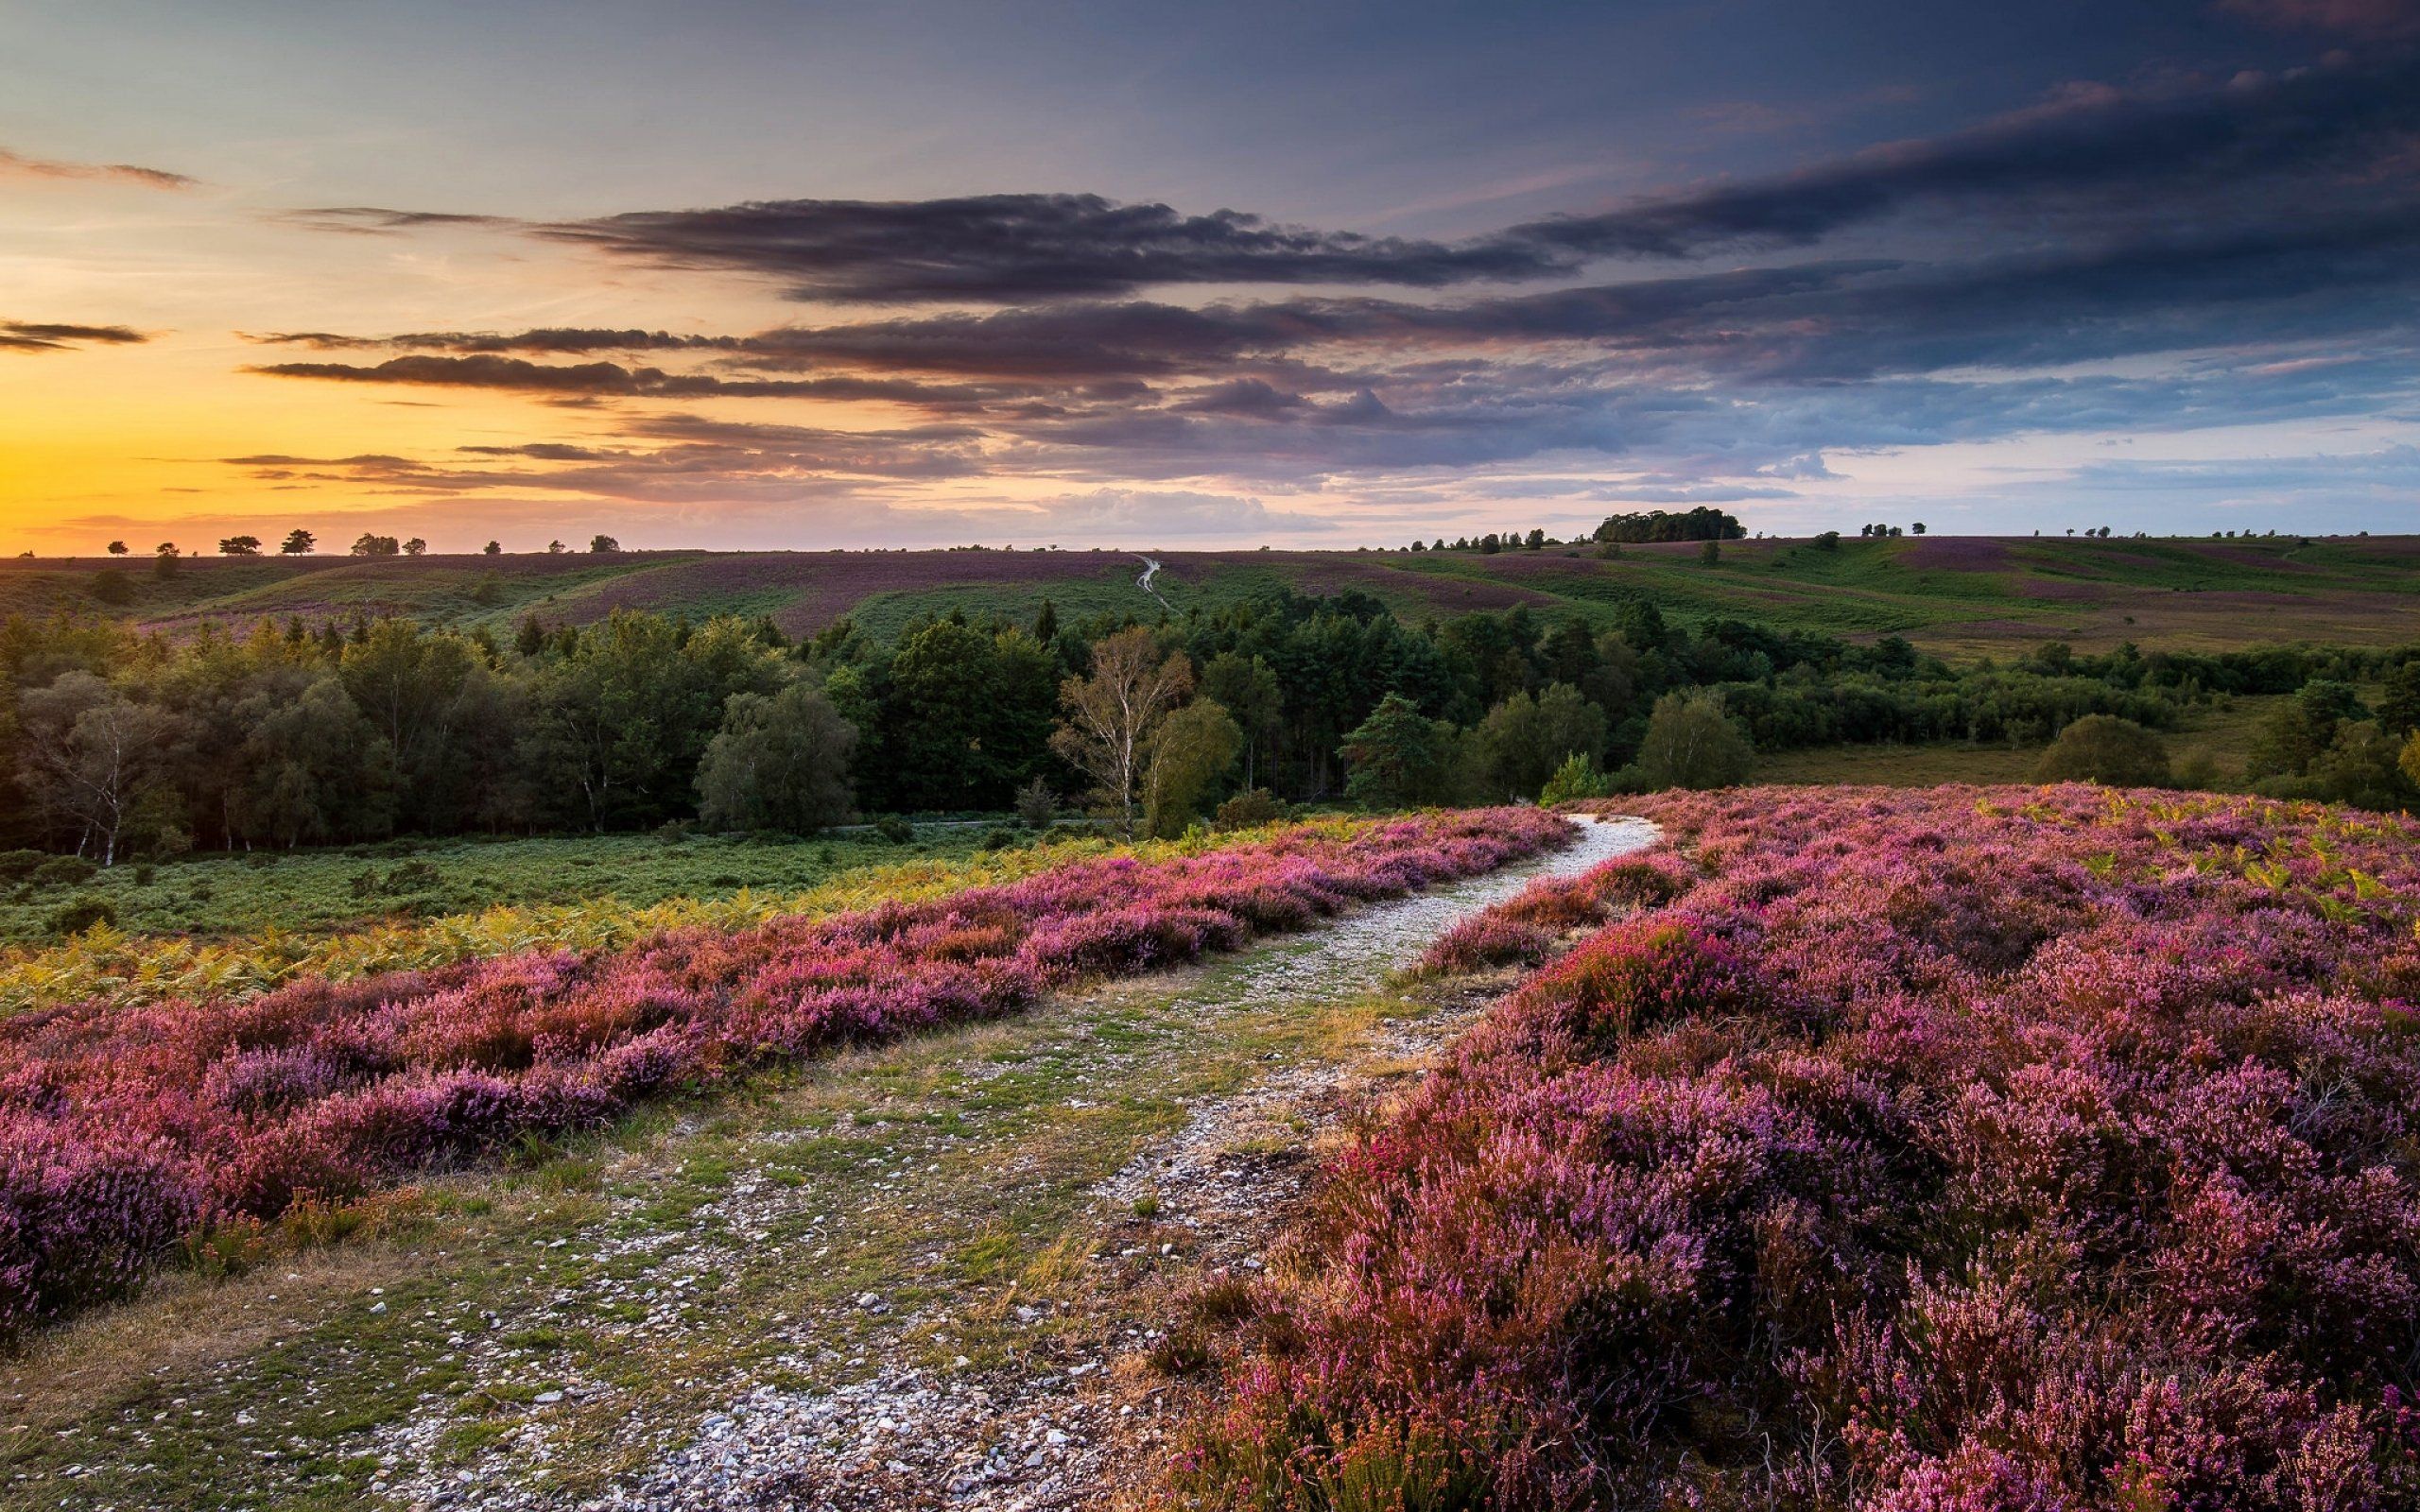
<point x="2221" y="733"/>
<point x="313" y="891"/>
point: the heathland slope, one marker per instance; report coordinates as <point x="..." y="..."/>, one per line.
<point x="1947" y="593"/>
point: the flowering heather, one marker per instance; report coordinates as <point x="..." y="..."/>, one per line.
<point x="1958" y="1149"/>
<point x="125" y="1129"/>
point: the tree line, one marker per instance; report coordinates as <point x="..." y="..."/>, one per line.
<point x="289" y="734"/>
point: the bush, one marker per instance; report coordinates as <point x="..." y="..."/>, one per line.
<point x="998" y="840"/>
<point x="2106" y="749"/>
<point x="895" y="829"/>
<point x="65" y="872"/>
<point x="1249" y="809"/>
<point x="1692" y="742"/>
<point x="1037" y="806"/>
<point x="1577" y="778"/>
<point x="80" y="914"/>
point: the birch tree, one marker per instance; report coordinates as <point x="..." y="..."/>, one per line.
<point x="1111" y="715"/>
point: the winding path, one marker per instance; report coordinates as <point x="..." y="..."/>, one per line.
<point x="1085" y="1418"/>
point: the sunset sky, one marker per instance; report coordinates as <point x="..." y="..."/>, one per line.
<point x="720" y="274"/>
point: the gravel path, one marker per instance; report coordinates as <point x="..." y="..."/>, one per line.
<point x="1078" y="1416"/>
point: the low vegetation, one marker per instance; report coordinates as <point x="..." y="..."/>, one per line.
<point x="128" y="1131"/>
<point x="1908" y="1150"/>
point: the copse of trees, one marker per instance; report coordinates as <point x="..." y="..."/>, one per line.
<point x="1698" y="523"/>
<point x="278" y="735"/>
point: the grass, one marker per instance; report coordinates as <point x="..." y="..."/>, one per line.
<point x="2221" y="733"/>
<point x="320" y="891"/>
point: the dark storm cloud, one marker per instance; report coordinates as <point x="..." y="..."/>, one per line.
<point x="612" y="379"/>
<point x="2102" y="152"/>
<point x="2093" y="160"/>
<point x="2368" y="19"/>
<point x="16" y="164"/>
<point x="28" y="335"/>
<point x="1011" y="247"/>
<point x="559" y="341"/>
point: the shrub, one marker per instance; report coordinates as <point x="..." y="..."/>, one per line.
<point x="80" y="914"/>
<point x="895" y="829"/>
<point x="1577" y="778"/>
<point x="1248" y="810"/>
<point x="1037" y="806"/>
<point x="136" y="1124"/>
<point x="2104" y="748"/>
<point x="64" y="871"/>
<point x="1913" y="1150"/>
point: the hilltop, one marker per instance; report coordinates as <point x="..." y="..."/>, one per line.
<point x="1949" y="594"/>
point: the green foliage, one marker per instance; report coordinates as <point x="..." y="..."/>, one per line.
<point x="1397" y="756"/>
<point x="895" y="829"/>
<point x="1698" y="523"/>
<point x="1522" y="741"/>
<point x="1692" y="742"/>
<point x="780" y="762"/>
<point x="2104" y="748"/>
<point x="1191" y="750"/>
<point x="1248" y="809"/>
<point x="81" y="913"/>
<point x="1577" y="778"/>
<point x="1036" y="805"/>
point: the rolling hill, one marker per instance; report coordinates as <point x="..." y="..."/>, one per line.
<point x="1951" y="595"/>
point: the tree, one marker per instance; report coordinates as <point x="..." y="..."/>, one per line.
<point x="415" y="546"/>
<point x="314" y="768"/>
<point x="1710" y="552"/>
<point x="1247" y="688"/>
<point x="601" y="545"/>
<point x="1396" y="756"/>
<point x="2106" y="749"/>
<point x="1918" y="527"/>
<point x="2294" y="733"/>
<point x="1523" y="740"/>
<point x="1192" y="747"/>
<point x="366" y="544"/>
<point x="298" y="543"/>
<point x="165" y="560"/>
<point x="961" y="714"/>
<point x="117" y="548"/>
<point x="1577" y="778"/>
<point x="91" y="756"/>
<point x="2410" y="759"/>
<point x="1691" y="742"/>
<point x="555" y="548"/>
<point x="2399" y="707"/>
<point x="241" y="546"/>
<point x="779" y="763"/>
<point x="492" y="548"/>
<point x="1698" y="523"/>
<point x="1112" y="715"/>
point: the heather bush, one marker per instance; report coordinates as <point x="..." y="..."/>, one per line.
<point x="2019" y="1148"/>
<point x="129" y="1128"/>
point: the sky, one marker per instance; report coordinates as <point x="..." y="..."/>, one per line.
<point x="1323" y="275"/>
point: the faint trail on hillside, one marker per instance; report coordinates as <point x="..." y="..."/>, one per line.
<point x="1082" y="1423"/>
<point x="1151" y="569"/>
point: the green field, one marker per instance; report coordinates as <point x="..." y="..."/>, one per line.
<point x="316" y="891"/>
<point x="1956" y="595"/>
<point x="2220" y="734"/>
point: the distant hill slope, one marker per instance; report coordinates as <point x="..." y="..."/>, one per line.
<point x="1948" y="593"/>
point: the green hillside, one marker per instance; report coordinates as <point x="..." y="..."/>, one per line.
<point x="1952" y="594"/>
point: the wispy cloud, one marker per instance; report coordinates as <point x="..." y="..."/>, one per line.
<point x="28" y="335"/>
<point x="18" y="165"/>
